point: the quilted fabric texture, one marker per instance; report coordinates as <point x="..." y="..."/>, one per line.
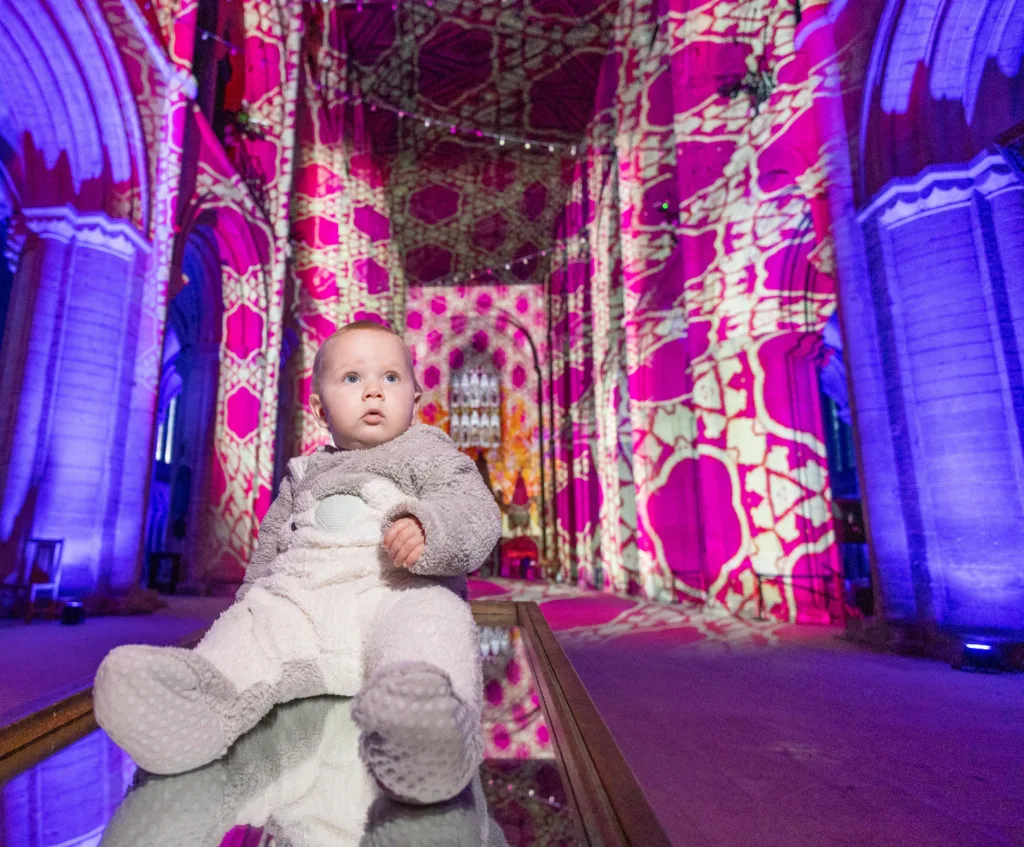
<point x="420" y="740"/>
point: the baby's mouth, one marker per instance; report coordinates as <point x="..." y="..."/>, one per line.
<point x="374" y="416"/>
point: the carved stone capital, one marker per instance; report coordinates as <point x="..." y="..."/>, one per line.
<point x="938" y="188"/>
<point x="96" y="230"/>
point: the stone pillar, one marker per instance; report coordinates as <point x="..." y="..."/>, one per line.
<point x="940" y="409"/>
<point x="199" y="367"/>
<point x="77" y="430"/>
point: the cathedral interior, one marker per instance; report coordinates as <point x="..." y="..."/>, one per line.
<point x="724" y="298"/>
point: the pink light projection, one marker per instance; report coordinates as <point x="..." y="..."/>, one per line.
<point x="688" y="448"/>
<point x="662" y="398"/>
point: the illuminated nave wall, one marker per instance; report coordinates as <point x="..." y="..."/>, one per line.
<point x="650" y="277"/>
<point x="926" y="195"/>
<point x="83" y="322"/>
<point x="687" y="329"/>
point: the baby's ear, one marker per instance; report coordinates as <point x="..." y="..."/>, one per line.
<point x="316" y="404"/>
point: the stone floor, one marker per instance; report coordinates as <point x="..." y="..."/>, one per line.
<point x="742" y="733"/>
<point x="759" y="734"/>
<point x="814" y="742"/>
<point x="43" y="661"/>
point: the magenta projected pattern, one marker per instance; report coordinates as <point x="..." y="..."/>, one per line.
<point x="681" y="434"/>
<point x="689" y="454"/>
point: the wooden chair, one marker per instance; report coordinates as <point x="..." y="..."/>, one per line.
<point x="40" y="571"/>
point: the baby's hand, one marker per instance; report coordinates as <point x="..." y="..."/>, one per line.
<point x="405" y="542"/>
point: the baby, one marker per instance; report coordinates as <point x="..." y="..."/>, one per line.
<point x="357" y="587"/>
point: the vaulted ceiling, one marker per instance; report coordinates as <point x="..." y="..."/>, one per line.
<point x="478" y="82"/>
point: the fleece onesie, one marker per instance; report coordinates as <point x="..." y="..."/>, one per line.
<point x="323" y="610"/>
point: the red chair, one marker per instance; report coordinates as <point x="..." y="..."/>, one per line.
<point x="520" y="558"/>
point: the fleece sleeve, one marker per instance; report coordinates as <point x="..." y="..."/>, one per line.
<point x="460" y="519"/>
<point x="270" y="528"/>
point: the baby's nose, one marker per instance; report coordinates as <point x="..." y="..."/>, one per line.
<point x="373" y="389"/>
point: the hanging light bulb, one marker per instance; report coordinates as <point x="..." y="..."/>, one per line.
<point x="527" y="145"/>
<point x="501" y="141"/>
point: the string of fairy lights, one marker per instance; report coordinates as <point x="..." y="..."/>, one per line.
<point x="507" y="140"/>
<point x="504" y="139"/>
<point x="484" y="274"/>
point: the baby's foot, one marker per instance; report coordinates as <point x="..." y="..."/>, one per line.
<point x="459" y="822"/>
<point x="188" y="810"/>
<point x="170" y="709"/>
<point x="196" y="809"/>
<point x="419" y="739"/>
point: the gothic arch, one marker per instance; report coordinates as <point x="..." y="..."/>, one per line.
<point x="944" y="80"/>
<point x="69" y="127"/>
<point x="241" y="464"/>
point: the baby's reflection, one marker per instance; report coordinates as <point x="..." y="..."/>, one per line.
<point x="299" y="777"/>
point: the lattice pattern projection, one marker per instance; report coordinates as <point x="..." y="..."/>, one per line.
<point x="248" y="198"/>
<point x="343" y="268"/>
<point x="161" y="91"/>
<point x="689" y="455"/>
<point x="382" y="202"/>
<point x="246" y="419"/>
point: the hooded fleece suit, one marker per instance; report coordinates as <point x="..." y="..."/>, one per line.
<point x="323" y="610"/>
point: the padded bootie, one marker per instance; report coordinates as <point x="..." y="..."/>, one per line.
<point x="196" y="809"/>
<point x="420" y="740"/>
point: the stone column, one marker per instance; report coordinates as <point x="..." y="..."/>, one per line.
<point x="946" y="506"/>
<point x="198" y="367"/>
<point x="78" y="428"/>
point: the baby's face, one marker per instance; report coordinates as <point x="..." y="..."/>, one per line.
<point x="367" y="393"/>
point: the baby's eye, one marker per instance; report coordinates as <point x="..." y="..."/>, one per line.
<point x="392" y="377"/>
<point x="351" y="379"/>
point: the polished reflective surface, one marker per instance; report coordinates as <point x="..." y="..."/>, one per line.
<point x="297" y="780"/>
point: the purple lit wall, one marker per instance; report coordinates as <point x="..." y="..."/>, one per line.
<point x="945" y="255"/>
<point x="930" y="298"/>
<point x="85" y="168"/>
